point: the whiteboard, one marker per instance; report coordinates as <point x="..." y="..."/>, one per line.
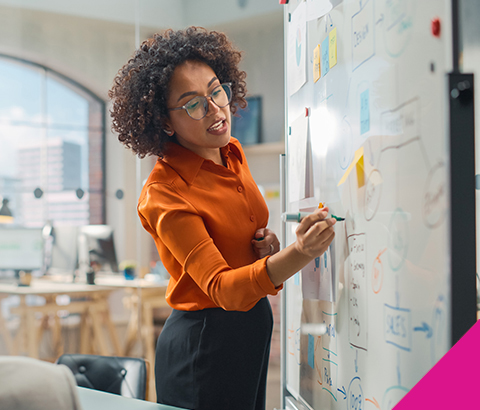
<point x="376" y="118"/>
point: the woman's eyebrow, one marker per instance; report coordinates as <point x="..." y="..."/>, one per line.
<point x="186" y="95"/>
<point x="195" y="92"/>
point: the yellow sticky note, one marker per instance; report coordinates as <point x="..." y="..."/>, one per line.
<point x="316" y="63"/>
<point x="358" y="156"/>
<point x="332" y="36"/>
<point x="360" y="172"/>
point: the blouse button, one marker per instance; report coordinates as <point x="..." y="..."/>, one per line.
<point x="240" y="188"/>
<point x="252" y="218"/>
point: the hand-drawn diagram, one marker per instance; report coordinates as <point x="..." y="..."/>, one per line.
<point x="390" y="320"/>
<point x="397" y="24"/>
<point x="357" y="292"/>
<point x="363" y="35"/>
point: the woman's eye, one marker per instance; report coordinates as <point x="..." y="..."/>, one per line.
<point x="216" y="93"/>
<point x="193" y="105"/>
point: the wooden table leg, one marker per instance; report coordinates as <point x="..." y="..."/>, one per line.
<point x="111" y="330"/>
<point x="100" y="341"/>
<point x="130" y="303"/>
<point x="31" y="334"/>
<point x="85" y="333"/>
<point x="7" y="337"/>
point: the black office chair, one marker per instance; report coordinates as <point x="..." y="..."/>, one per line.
<point x="125" y="376"/>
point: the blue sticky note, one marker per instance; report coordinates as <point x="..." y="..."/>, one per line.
<point x="325" y="60"/>
<point x="364" y="112"/>
<point x="311" y="351"/>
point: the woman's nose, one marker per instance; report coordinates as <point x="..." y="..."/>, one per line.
<point x="212" y="108"/>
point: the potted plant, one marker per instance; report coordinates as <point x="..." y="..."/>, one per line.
<point x="128" y="267"/>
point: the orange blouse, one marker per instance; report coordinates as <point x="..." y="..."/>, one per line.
<point x="203" y="217"/>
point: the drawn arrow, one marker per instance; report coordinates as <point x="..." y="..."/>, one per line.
<point x="374" y="401"/>
<point x="382" y="17"/>
<point x="424" y="328"/>
<point x="343" y="391"/>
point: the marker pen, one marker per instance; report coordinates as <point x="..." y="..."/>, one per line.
<point x="298" y="216"/>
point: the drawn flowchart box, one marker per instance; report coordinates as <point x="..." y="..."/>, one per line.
<point x="357" y="291"/>
<point x="398" y="327"/>
<point x="402" y="121"/>
<point x="363" y="34"/>
<point x="329" y="339"/>
<point x="329" y="375"/>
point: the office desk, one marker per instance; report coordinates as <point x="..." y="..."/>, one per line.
<point x="98" y="400"/>
<point x="142" y="297"/>
<point x="92" y="306"/>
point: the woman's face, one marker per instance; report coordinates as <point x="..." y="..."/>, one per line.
<point x="205" y="136"/>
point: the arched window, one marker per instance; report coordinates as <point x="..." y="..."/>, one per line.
<point x="51" y="147"/>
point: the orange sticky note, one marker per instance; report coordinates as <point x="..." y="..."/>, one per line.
<point x="316" y="64"/>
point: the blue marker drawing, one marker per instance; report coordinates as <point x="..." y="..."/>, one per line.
<point x="424" y="328"/>
<point x="325" y="59"/>
<point x="365" y="112"/>
<point x="311" y="351"/>
<point x="397" y="327"/>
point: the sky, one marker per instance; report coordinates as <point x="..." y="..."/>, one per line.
<point x="34" y="106"/>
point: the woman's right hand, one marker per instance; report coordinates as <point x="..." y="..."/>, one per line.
<point x="315" y="233"/>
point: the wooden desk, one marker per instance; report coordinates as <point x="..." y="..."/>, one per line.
<point x="142" y="297"/>
<point x="92" y="306"/>
<point x="98" y="400"/>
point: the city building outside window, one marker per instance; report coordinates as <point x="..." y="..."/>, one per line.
<point x="51" y="147"/>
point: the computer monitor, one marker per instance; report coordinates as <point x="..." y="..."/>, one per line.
<point x="62" y="250"/>
<point x="96" y="245"/>
<point x="247" y="123"/>
<point x="21" y="248"/>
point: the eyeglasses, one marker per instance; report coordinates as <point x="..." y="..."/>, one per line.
<point x="197" y="107"/>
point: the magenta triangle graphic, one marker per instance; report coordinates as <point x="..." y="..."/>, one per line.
<point x="453" y="382"/>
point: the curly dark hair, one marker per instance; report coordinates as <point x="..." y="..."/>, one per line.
<point x="140" y="90"/>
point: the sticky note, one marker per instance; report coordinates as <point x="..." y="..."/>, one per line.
<point x="365" y="112"/>
<point x="358" y="156"/>
<point x="360" y="172"/>
<point x="332" y="37"/>
<point x="311" y="351"/>
<point x="325" y="64"/>
<point x="316" y="64"/>
<point x="296" y="279"/>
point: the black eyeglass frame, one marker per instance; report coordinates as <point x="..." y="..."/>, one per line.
<point x="205" y="101"/>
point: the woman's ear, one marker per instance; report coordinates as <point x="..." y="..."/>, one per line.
<point x="167" y="129"/>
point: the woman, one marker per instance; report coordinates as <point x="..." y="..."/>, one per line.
<point x="174" y="99"/>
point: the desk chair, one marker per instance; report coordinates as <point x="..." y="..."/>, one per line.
<point x="125" y="376"/>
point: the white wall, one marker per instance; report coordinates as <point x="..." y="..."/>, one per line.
<point x="261" y="40"/>
<point x="215" y="12"/>
<point x="155" y="13"/>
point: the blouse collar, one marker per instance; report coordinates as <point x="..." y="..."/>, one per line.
<point x="187" y="164"/>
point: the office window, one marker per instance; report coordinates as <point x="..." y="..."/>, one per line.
<point x="51" y="147"/>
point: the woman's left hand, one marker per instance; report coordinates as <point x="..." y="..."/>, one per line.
<point x="265" y="243"/>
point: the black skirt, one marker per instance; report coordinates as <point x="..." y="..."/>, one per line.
<point x="214" y="359"/>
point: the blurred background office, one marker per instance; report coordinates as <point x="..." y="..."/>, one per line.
<point x="69" y="189"/>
